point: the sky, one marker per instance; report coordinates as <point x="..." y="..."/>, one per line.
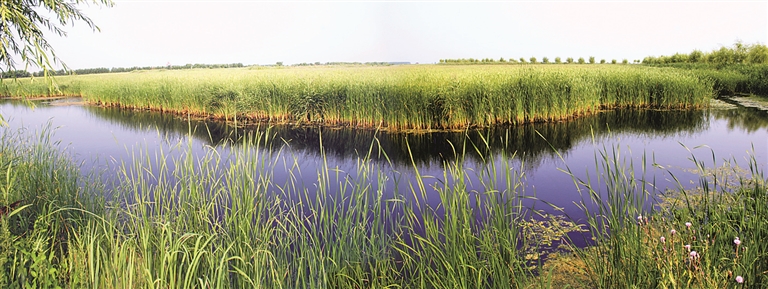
<point x="155" y="33"/>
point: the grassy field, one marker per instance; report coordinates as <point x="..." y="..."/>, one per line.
<point x="210" y="221"/>
<point x="729" y="79"/>
<point x="394" y="98"/>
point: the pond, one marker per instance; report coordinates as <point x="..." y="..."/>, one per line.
<point x="103" y="138"/>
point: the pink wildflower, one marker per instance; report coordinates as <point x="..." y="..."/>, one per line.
<point x="737" y="241"/>
<point x="688" y="224"/>
<point x="739" y="279"/>
<point x="693" y="255"/>
<point x="673" y="232"/>
<point x="663" y="240"/>
<point x="688" y="247"/>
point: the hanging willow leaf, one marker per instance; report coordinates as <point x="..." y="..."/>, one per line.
<point x="22" y="24"/>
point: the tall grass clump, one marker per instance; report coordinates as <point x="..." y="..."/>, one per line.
<point x="395" y="98"/>
<point x="728" y="79"/>
<point x="738" y="69"/>
<point x="225" y="219"/>
<point x="725" y="82"/>
<point x="757" y="78"/>
<point x="708" y="237"/>
<point x="229" y="222"/>
<point x="470" y="239"/>
<point x="43" y="203"/>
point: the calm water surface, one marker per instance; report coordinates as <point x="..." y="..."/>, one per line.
<point x="102" y="138"/>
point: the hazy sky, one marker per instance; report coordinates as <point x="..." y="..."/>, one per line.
<point x="154" y="33"/>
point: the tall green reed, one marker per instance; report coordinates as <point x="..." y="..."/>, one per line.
<point x="220" y="217"/>
<point x="36" y="235"/>
<point x="396" y="98"/>
<point x="223" y="219"/>
<point x="692" y="238"/>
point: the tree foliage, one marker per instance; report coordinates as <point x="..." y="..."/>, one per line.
<point x="22" y="30"/>
<point x="739" y="53"/>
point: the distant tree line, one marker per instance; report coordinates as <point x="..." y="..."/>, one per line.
<point x="347" y="63"/>
<point x="15" y="74"/>
<point x="22" y="73"/>
<point x="477" y="60"/>
<point x="120" y="69"/>
<point x="739" y="53"/>
<point x="533" y="60"/>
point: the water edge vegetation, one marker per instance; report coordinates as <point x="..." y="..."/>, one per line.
<point x="213" y="222"/>
<point x="390" y="97"/>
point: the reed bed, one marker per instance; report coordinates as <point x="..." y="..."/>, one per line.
<point x="224" y="220"/>
<point x="395" y="98"/>
<point x="729" y="79"/>
<point x="179" y="220"/>
<point x="711" y="236"/>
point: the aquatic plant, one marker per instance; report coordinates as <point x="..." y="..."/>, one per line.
<point x="630" y="253"/>
<point x="217" y="220"/>
<point x="223" y="219"/>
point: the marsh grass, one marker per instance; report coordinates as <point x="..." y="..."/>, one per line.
<point x="224" y="220"/>
<point x="37" y="235"/>
<point x="729" y="79"/>
<point x="693" y="238"/>
<point x="394" y="98"/>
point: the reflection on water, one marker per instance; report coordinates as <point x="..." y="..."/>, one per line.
<point x="749" y="119"/>
<point x="113" y="135"/>
<point x="432" y="148"/>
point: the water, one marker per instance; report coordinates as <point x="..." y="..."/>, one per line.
<point x="103" y="138"/>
